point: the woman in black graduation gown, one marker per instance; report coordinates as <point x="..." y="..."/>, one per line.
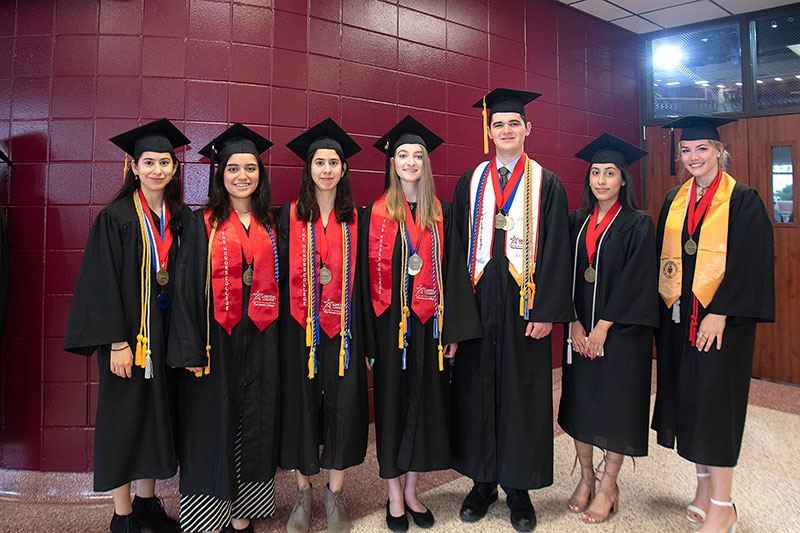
<point x="323" y="375"/>
<point x="229" y="398"/>
<point x="121" y="308"/>
<point x="605" y="397"/>
<point x="716" y="282"/>
<point x="400" y="270"/>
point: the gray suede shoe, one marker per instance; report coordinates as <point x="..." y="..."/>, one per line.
<point x="337" y="514"/>
<point x="301" y="512"/>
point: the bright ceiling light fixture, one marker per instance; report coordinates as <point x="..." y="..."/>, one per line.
<point x="667" y="57"/>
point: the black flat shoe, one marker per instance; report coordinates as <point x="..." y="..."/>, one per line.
<point x="396" y="523"/>
<point x="478" y="501"/>
<point x="124" y="524"/>
<point x="523" y="516"/>
<point x="151" y="515"/>
<point x="423" y="520"/>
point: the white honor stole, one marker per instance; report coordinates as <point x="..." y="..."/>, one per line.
<point x="515" y="238"/>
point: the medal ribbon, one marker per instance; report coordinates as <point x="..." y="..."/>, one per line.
<point x="160" y="241"/>
<point x="594" y="230"/>
<point x="504" y="197"/>
<point x="413" y="230"/>
<point x="694" y="217"/>
<point x="244" y="238"/>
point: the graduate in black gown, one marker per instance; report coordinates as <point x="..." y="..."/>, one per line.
<point x="229" y="398"/>
<point x="605" y="395"/>
<point x="323" y="374"/>
<point x="121" y="308"/>
<point x="716" y="282"/>
<point x="512" y="217"/>
<point x="5" y="260"/>
<point x="411" y="376"/>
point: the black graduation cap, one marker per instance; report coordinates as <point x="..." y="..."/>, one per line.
<point x="158" y="136"/>
<point x="325" y="135"/>
<point x="610" y="149"/>
<point x="5" y="158"/>
<point x="694" y="128"/>
<point x="407" y="131"/>
<point x="503" y="100"/>
<point x="237" y="139"/>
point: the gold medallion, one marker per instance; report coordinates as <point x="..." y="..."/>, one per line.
<point x="590" y="274"/>
<point x="499" y="221"/>
<point x="414" y="264"/>
<point x="247" y="277"/>
<point x="509" y="224"/>
<point x="162" y="277"/>
<point x="690" y="247"/>
<point x="325" y="275"/>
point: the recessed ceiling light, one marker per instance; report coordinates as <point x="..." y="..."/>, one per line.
<point x="701" y="82"/>
<point x="759" y="81"/>
<point x="720" y="86"/>
<point x="778" y="79"/>
<point x="738" y="83"/>
<point x="674" y="83"/>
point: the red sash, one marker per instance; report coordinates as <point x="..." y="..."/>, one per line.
<point x="502" y="194"/>
<point x="162" y="246"/>
<point x="329" y="246"/>
<point x="594" y="230"/>
<point x="227" y="268"/>
<point x="382" y="236"/>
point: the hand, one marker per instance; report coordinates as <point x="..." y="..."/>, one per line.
<point x="121" y="359"/>
<point x="597" y="338"/>
<point x="450" y="349"/>
<point x="710" y="329"/>
<point x="578" y="338"/>
<point x="538" y="330"/>
<point x="195" y="369"/>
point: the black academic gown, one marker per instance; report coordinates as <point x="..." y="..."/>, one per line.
<point x="328" y="411"/>
<point x="605" y="401"/>
<point x="134" y="431"/>
<point x="412" y="406"/>
<point x="702" y="397"/>
<point x="5" y="271"/>
<point x="502" y="387"/>
<point x="243" y="385"/>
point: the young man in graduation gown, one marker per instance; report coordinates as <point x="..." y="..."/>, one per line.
<point x="5" y="260"/>
<point x="512" y="217"/>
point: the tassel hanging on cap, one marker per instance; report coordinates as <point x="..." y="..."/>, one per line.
<point x="124" y="167"/>
<point x="485" y="128"/>
<point x="212" y="160"/>
<point x="672" y="151"/>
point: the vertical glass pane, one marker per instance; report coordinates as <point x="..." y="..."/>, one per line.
<point x="782" y="184"/>
<point x="698" y="72"/>
<point x="777" y="60"/>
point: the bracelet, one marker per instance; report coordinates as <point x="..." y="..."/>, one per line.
<point x="119" y="349"/>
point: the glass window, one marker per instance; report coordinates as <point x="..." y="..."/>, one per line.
<point x="697" y="72"/>
<point x="782" y="185"/>
<point x="777" y="59"/>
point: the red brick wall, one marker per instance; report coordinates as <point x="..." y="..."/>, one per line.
<point x="75" y="72"/>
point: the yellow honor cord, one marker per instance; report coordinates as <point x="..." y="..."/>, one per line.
<point x="207" y="369"/>
<point x="440" y="308"/>
<point x="310" y="264"/>
<point x="485" y="128"/>
<point x="140" y="357"/>
<point x="403" y="301"/>
<point x="342" y="315"/>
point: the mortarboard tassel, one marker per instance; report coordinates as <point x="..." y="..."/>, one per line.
<point x="485" y="126"/>
<point x="672" y="151"/>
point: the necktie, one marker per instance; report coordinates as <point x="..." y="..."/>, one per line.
<point x="503" y="171"/>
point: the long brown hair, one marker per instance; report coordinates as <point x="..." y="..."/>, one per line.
<point x="172" y="193"/>
<point x="625" y="195"/>
<point x="427" y="207"/>
<point x="307" y="207"/>
<point x="220" y="204"/>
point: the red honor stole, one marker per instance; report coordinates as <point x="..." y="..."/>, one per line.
<point x="382" y="236"/>
<point x="162" y="245"/>
<point x="230" y="242"/>
<point x="594" y="230"/>
<point x="502" y="194"/>
<point x="329" y="251"/>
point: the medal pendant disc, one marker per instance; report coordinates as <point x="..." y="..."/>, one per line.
<point x="247" y="277"/>
<point x="162" y="277"/>
<point x="589" y="274"/>
<point x="499" y="221"/>
<point x="325" y="275"/>
<point x="414" y="264"/>
<point x="508" y="224"/>
<point x="690" y="247"/>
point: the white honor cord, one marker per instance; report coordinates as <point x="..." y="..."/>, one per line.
<point x="597" y="268"/>
<point x="574" y="273"/>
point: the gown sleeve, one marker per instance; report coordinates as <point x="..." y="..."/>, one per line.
<point x="553" y="299"/>
<point x="461" y="319"/>
<point x="187" y="335"/>
<point x="96" y="314"/>
<point x="748" y="288"/>
<point x="636" y="302"/>
<point x="369" y="342"/>
<point x="460" y="209"/>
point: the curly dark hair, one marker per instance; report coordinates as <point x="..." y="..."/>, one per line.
<point x="172" y="193"/>
<point x="307" y="208"/>
<point x="220" y="204"/>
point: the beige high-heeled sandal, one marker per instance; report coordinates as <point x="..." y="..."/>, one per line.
<point x="590" y="517"/>
<point x="574" y="504"/>
<point x="731" y="529"/>
<point x="695" y="509"/>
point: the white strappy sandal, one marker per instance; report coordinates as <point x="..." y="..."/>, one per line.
<point x="732" y="529"/>
<point x="695" y="509"/>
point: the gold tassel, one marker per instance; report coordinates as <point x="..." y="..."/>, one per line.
<point x="309" y="331"/>
<point x="311" y="363"/>
<point x="441" y="356"/>
<point x="124" y="168"/>
<point x="485" y="128"/>
<point x="341" y="360"/>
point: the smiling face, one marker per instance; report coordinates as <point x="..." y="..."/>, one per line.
<point x="408" y="161"/>
<point x="508" y="132"/>
<point x="241" y="175"/>
<point x="154" y="170"/>
<point x="326" y="169"/>
<point x="700" y="158"/>
<point x="605" y="180"/>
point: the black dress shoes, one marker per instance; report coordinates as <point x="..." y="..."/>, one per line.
<point x="523" y="516"/>
<point x="125" y="524"/>
<point x="478" y="501"/>
<point x="423" y="520"/>
<point x="151" y="515"/>
<point x="396" y="523"/>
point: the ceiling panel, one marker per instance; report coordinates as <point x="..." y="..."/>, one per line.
<point x="686" y="14"/>
<point x="745" y="6"/>
<point x="641" y="6"/>
<point x="636" y="24"/>
<point x="601" y="9"/>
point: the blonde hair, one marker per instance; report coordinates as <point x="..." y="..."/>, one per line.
<point x="427" y="207"/>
